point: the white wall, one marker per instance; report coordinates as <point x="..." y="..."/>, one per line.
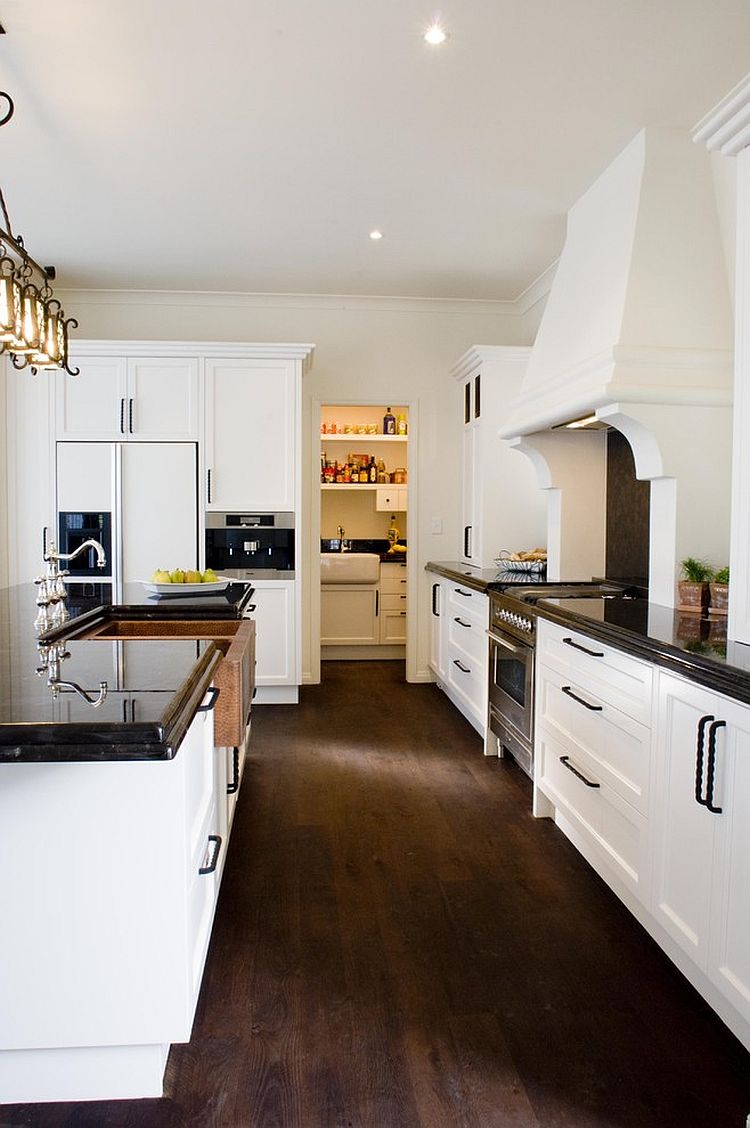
<point x="371" y="349"/>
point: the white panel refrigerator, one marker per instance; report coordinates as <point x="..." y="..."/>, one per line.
<point x="151" y="491"/>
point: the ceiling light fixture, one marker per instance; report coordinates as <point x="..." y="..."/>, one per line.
<point x="435" y="34"/>
<point x="375" y="235"/>
<point x="586" y="421"/>
<point x="33" y="326"/>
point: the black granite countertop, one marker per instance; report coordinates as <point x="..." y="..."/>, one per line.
<point x="693" y="646"/>
<point x="153" y="686"/>
<point x="481" y="579"/>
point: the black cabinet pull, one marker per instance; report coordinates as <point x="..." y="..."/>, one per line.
<point x="377" y="602"/>
<point x="460" y="622"/>
<point x="565" y="761"/>
<point x="435" y="610"/>
<point x="251" y="607"/>
<point x="235" y="784"/>
<point x="465" y="594"/>
<point x="122" y="416"/>
<point x="711" y="767"/>
<point x="462" y="668"/>
<point x="699" y="758"/>
<point x="216" y="840"/>
<point x="467" y="541"/>
<point x="130" y="416"/>
<point x="214" y="691"/>
<point x="580" y="700"/>
<point x="577" y="646"/>
<point x="208" y="479"/>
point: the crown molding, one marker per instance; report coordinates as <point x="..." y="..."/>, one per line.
<point x="480" y="356"/>
<point x="726" y="128"/>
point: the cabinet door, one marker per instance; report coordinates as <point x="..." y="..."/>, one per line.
<point x="684" y="830"/>
<point x="348" y="615"/>
<point x="93" y="405"/>
<point x="275" y="638"/>
<point x="729" y="958"/>
<point x="162" y="399"/>
<point x="159" y="518"/>
<point x="438" y="629"/>
<point x="469" y="531"/>
<point x="250" y="433"/>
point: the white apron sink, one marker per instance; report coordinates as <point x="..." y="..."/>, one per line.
<point x="349" y="567"/>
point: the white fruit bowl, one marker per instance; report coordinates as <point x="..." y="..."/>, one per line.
<point x="187" y="589"/>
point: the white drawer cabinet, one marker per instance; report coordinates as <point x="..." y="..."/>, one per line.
<point x="393" y="603"/>
<point x="593" y="749"/>
<point x="458" y="655"/>
<point x="391" y="499"/>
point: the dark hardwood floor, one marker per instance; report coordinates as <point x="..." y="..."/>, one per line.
<point x="398" y="943"/>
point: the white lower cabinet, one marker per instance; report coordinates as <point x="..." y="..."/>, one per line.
<point x="648" y="774"/>
<point x="113" y="871"/>
<point x="702" y="833"/>
<point x="393" y="603"/>
<point x="593" y="749"/>
<point x="459" y="648"/>
<point x="278" y="660"/>
<point x="349" y="614"/>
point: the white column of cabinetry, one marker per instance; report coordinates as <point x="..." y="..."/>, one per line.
<point x="458" y="650"/>
<point x="724" y="130"/>
<point x="502" y="506"/>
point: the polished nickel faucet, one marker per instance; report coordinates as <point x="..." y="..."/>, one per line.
<point x="52" y="591"/>
<point x="340" y="532"/>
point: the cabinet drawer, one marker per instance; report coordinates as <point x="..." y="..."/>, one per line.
<point x="615" y="832"/>
<point x="392" y="579"/>
<point x="618" y="746"/>
<point x="468" y="677"/>
<point x="621" y="680"/>
<point x="392" y="602"/>
<point x="470" y="636"/>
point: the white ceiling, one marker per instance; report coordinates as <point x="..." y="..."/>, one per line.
<point x="251" y="145"/>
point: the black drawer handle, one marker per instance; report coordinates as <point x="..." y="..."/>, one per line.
<point x="462" y="668"/>
<point x="251" y="606"/>
<point x="208" y="485"/>
<point x="235" y="784"/>
<point x="586" y="704"/>
<point x="460" y="622"/>
<point x="577" y="645"/>
<point x="435" y="610"/>
<point x="699" y="752"/>
<point x="122" y="416"/>
<point x="214" y="691"/>
<point x="565" y="761"/>
<point x="216" y="840"/>
<point x="130" y="416"/>
<point x="465" y="594"/>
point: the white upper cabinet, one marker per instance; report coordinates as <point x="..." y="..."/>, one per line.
<point x="129" y="399"/>
<point x="258" y="398"/>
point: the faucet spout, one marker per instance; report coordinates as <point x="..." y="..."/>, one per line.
<point x="101" y="556"/>
<point x="341" y="532"/>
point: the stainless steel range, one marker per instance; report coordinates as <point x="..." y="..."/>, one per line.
<point x="512" y="639"/>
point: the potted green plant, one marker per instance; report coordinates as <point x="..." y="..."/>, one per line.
<point x="719" y="588"/>
<point x="693" y="587"/>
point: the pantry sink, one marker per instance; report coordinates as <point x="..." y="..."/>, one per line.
<point x="349" y="567"/>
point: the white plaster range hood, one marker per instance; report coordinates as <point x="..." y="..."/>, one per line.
<point x="638" y="330"/>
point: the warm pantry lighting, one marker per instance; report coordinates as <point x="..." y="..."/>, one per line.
<point x="586" y="421"/>
<point x="435" y="35"/>
<point x="375" y="235"/>
<point x="33" y="326"/>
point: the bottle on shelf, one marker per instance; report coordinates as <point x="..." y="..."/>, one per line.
<point x="393" y="533"/>
<point x="389" y="423"/>
<point x="372" y="471"/>
<point x="401" y="424"/>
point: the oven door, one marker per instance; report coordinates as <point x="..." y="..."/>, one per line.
<point x="511" y="684"/>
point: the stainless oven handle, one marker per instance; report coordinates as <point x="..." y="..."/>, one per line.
<point x="521" y="649"/>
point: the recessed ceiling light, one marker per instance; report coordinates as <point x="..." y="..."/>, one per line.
<point x="435" y="35"/>
<point x="376" y="235"/>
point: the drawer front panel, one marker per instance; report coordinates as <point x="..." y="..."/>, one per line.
<point x="392" y="601"/>
<point x="468" y="677"/>
<point x="469" y="636"/>
<point x="616" y="833"/>
<point x="617" y="745"/>
<point x="626" y="682"/>
<point x="393" y="579"/>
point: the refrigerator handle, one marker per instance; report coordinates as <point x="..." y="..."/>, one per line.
<point x="208" y="481"/>
<point x="130" y="416"/>
<point x="122" y="415"/>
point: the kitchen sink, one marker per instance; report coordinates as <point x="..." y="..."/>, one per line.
<point x="349" y="567"/>
<point x="235" y="677"/>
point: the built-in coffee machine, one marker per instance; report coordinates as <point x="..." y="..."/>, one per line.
<point x="250" y="544"/>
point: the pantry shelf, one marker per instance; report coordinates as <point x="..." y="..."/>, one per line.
<point x="351" y="437"/>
